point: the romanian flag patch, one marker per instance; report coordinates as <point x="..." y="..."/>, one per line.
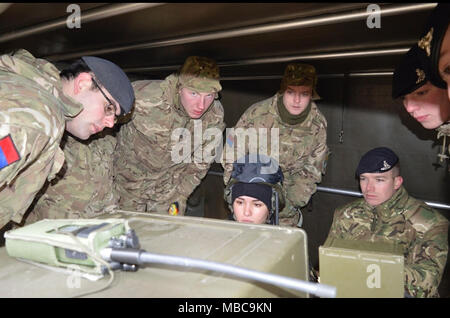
<point x="8" y="152"/>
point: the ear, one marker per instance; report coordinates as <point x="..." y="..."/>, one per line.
<point x="398" y="181"/>
<point x="82" y="82"/>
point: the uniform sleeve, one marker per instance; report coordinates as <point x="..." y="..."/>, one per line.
<point x="230" y="147"/>
<point x="336" y="226"/>
<point x="426" y="261"/>
<point x="191" y="174"/>
<point x="22" y="179"/>
<point x="300" y="183"/>
<point x="85" y="188"/>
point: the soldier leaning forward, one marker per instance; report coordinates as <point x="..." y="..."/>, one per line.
<point x="37" y="104"/>
<point x="84" y="186"/>
<point x="435" y="43"/>
<point x="149" y="175"/>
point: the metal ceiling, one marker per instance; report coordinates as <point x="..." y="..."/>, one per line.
<point x="246" y="39"/>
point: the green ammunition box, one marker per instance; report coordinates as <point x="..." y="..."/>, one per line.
<point x="362" y="269"/>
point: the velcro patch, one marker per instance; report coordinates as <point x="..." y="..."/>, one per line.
<point x="8" y="152"/>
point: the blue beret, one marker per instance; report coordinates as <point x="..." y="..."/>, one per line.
<point x="113" y="79"/>
<point x="412" y="72"/>
<point x="377" y="160"/>
<point x="431" y="40"/>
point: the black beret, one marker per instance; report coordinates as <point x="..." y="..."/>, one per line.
<point x="113" y="79"/>
<point x="431" y="40"/>
<point x="377" y="160"/>
<point x="412" y="72"/>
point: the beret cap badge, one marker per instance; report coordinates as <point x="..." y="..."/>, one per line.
<point x="420" y="75"/>
<point x="386" y="166"/>
<point x="425" y="42"/>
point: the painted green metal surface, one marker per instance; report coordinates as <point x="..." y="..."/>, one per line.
<point x="265" y="248"/>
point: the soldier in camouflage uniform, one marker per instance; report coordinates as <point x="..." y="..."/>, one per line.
<point x="147" y="177"/>
<point x="388" y="214"/>
<point x="425" y="101"/>
<point x="37" y="105"/>
<point x="302" y="138"/>
<point x="440" y="62"/>
<point x="84" y="186"/>
<point x="435" y="43"/>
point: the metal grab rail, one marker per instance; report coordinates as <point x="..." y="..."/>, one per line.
<point x="436" y="205"/>
<point x="250" y="30"/>
<point x="290" y="58"/>
<point x="88" y="16"/>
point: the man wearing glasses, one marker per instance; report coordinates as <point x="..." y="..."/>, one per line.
<point x="141" y="175"/>
<point x="38" y="103"/>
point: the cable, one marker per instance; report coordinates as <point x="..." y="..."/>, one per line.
<point x="133" y="256"/>
<point x="97" y="259"/>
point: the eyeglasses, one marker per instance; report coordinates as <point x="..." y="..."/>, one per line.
<point x="110" y="109"/>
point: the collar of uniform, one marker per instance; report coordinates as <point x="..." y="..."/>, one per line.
<point x="179" y="106"/>
<point x="395" y="205"/>
<point x="305" y="123"/>
<point x="174" y="97"/>
<point x="443" y="129"/>
<point x="45" y="74"/>
<point x="70" y="107"/>
<point x="182" y="111"/>
<point x="287" y="117"/>
<point x="171" y="96"/>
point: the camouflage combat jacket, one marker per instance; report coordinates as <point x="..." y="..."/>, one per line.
<point x="84" y="186"/>
<point x="417" y="228"/>
<point x="146" y="176"/>
<point x="33" y="113"/>
<point x="302" y="150"/>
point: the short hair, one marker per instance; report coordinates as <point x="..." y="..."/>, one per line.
<point x="75" y="69"/>
<point x="396" y="171"/>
